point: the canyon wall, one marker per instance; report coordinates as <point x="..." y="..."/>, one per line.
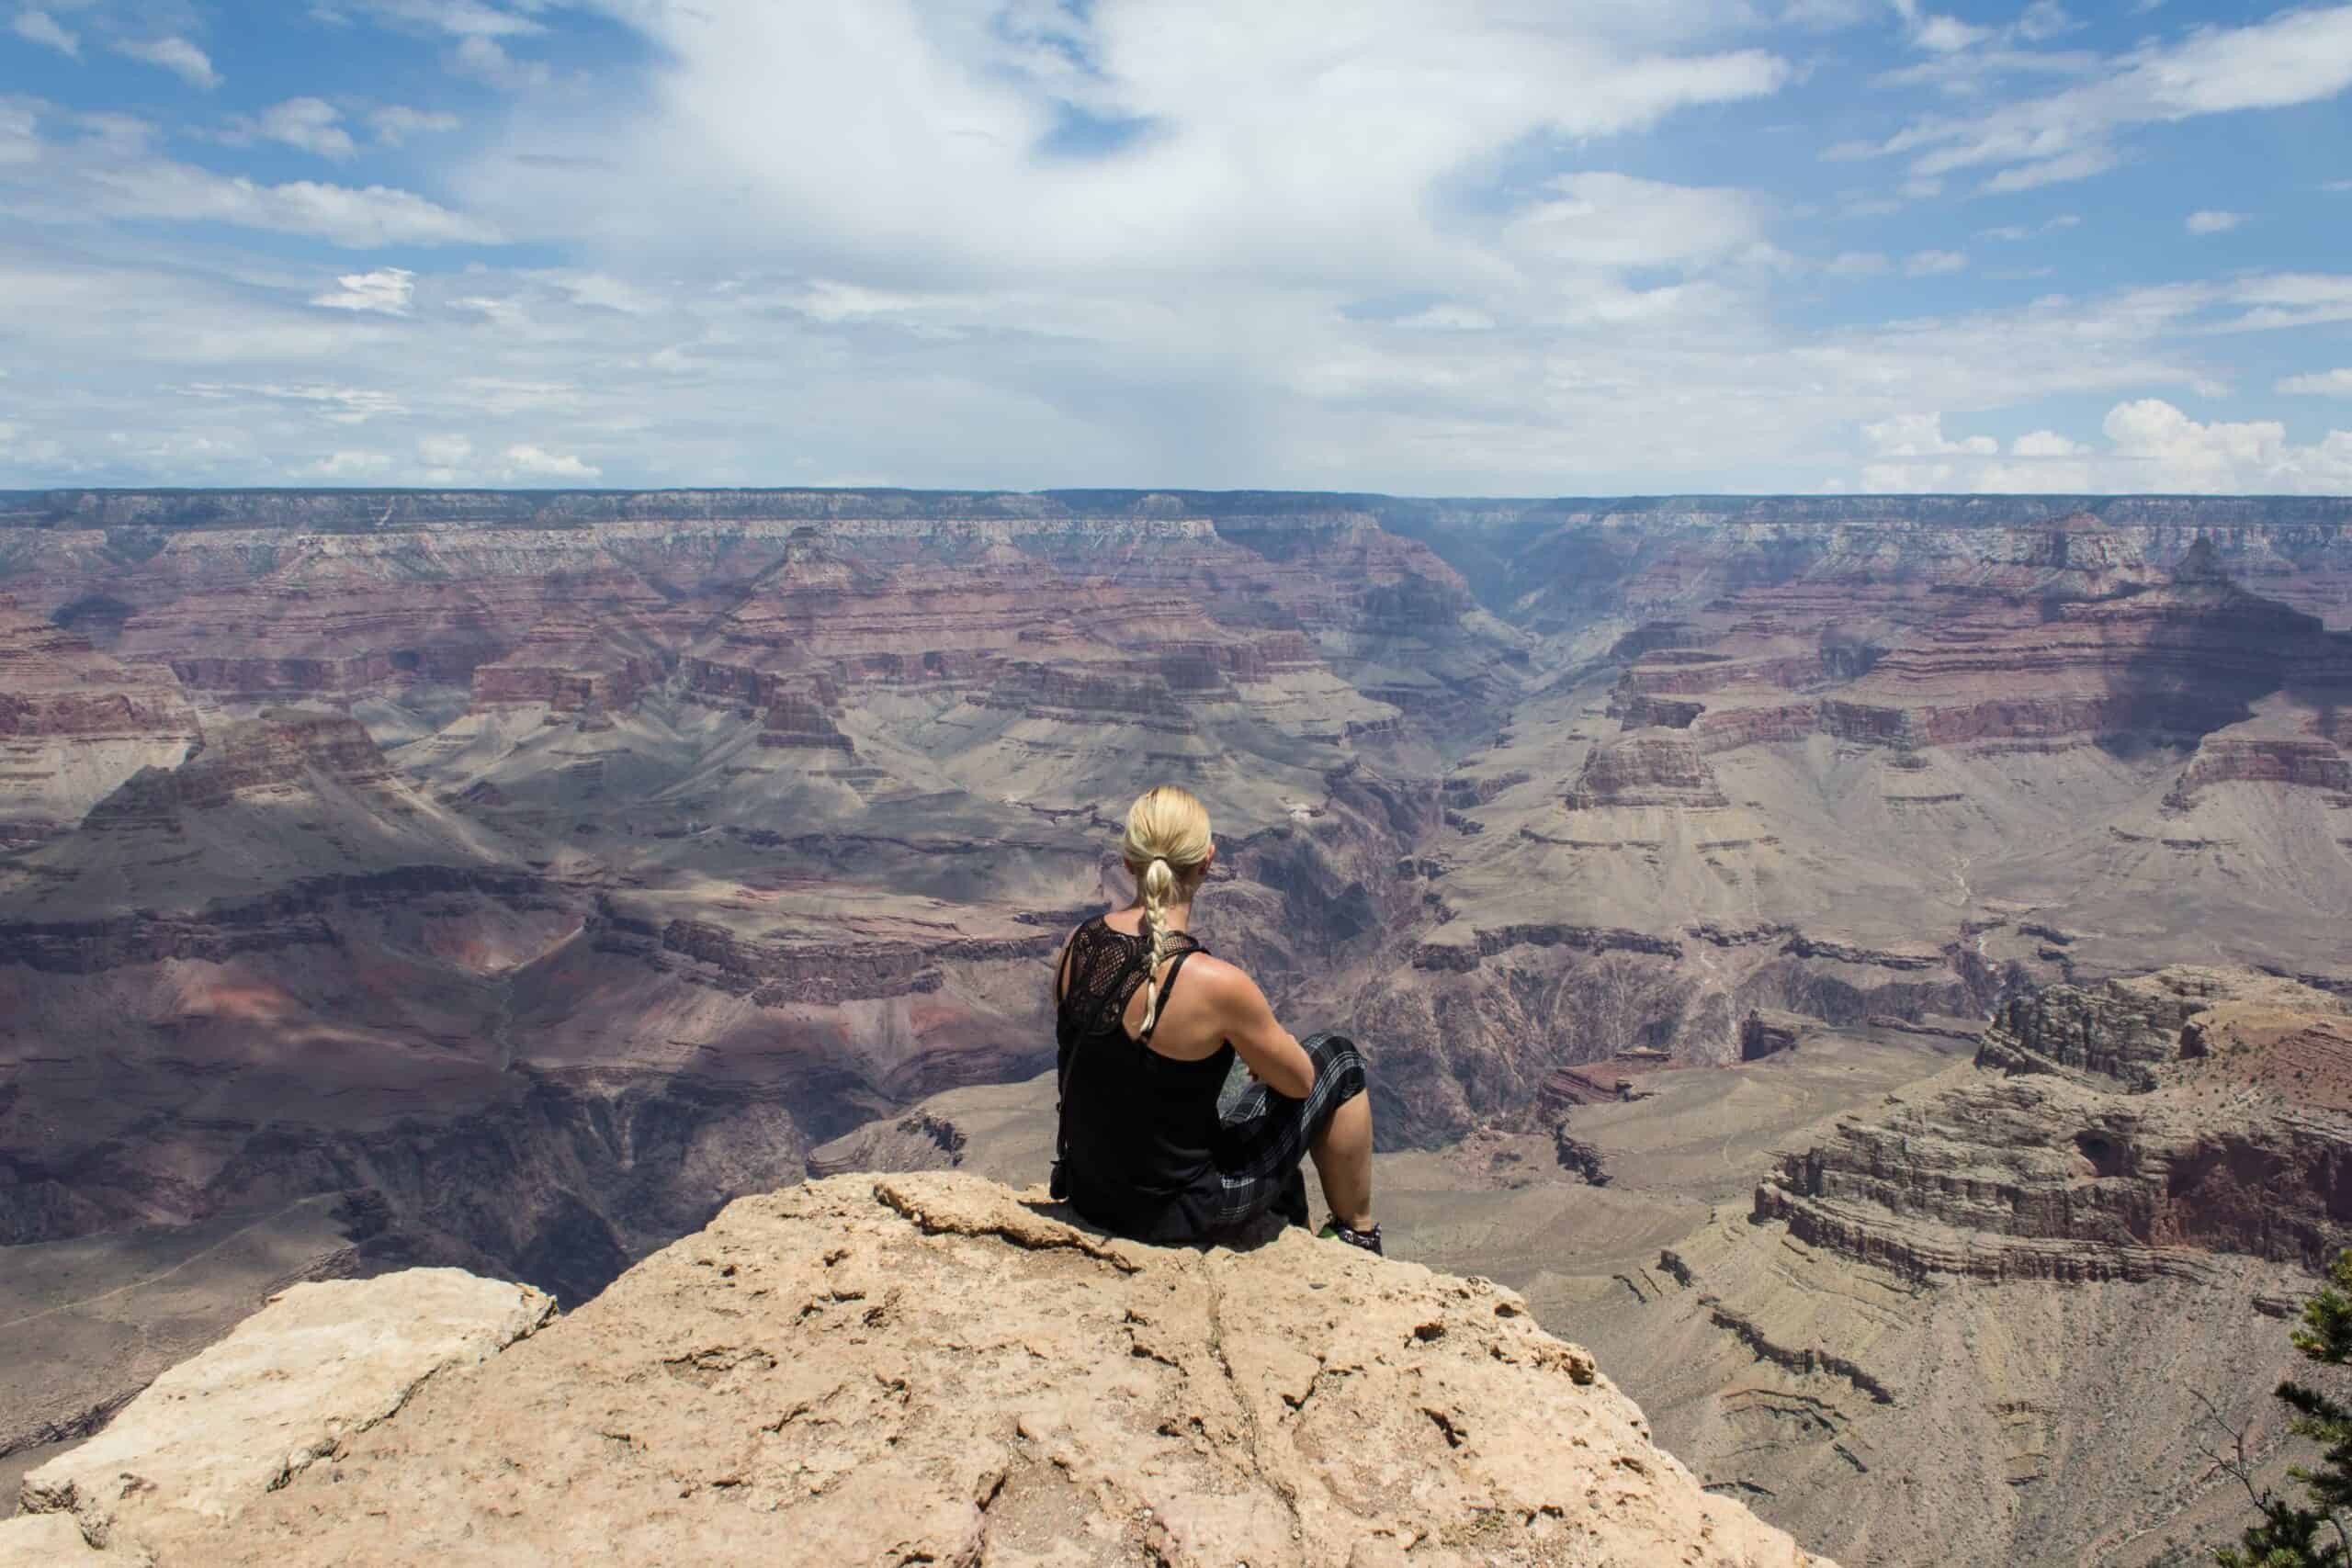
<point x="2006" y="1305"/>
<point x="548" y="869"/>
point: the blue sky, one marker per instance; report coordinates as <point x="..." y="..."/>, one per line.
<point x="1492" y="246"/>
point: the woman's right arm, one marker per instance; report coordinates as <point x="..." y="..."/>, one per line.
<point x="1279" y="1061"/>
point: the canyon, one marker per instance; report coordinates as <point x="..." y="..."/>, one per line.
<point x="511" y="880"/>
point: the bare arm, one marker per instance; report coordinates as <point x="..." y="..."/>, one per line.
<point x="1277" y="1059"/>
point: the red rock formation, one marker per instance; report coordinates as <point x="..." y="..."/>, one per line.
<point x="1600" y="1083"/>
<point x="74" y="723"/>
<point x="2058" y="631"/>
<point x="574" y="659"/>
<point x="2307" y="764"/>
<point x="1644" y="769"/>
<point x="272" y="753"/>
<point x="54" y="684"/>
<point x="803" y="718"/>
<point x="2076" y="1149"/>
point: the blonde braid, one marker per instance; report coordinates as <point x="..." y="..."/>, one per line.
<point x="1159" y="881"/>
<point x="1167" y="838"/>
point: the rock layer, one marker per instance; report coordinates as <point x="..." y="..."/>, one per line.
<point x="74" y="723"/>
<point x="1938" y="1309"/>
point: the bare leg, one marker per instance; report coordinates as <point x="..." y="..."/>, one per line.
<point x="1343" y="1161"/>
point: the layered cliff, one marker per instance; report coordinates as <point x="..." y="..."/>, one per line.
<point x="74" y="723"/>
<point x="1976" y="1306"/>
<point x="915" y="1369"/>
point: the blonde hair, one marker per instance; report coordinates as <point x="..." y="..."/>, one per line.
<point x="1167" y="839"/>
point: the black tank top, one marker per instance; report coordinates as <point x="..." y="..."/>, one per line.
<point x="1137" y="1127"/>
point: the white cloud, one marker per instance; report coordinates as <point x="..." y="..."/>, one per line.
<point x="2282" y="300"/>
<point x="2180" y="454"/>
<point x="603" y="292"/>
<point x="395" y="123"/>
<point x="348" y="466"/>
<point x="445" y="451"/>
<point x="482" y="56"/>
<point x="1910" y="452"/>
<point x="337" y="405"/>
<point x="386" y="290"/>
<point x="1602" y="219"/>
<point x="1922" y="436"/>
<point x="2045" y="19"/>
<point x="1944" y="34"/>
<point x="1857" y="263"/>
<point x="1976" y="73"/>
<point x="2079" y="165"/>
<point x="2323" y="384"/>
<point x="490" y="309"/>
<point x="1448" y="315"/>
<point x="1939" y="33"/>
<point x="2211" y="223"/>
<point x="503" y="395"/>
<point x="35" y="26"/>
<point x="825" y="299"/>
<point x="356" y="218"/>
<point x="176" y="55"/>
<point x="310" y="125"/>
<point x="1059" y="383"/>
<point x="2012" y="231"/>
<point x="2293" y="57"/>
<point x="456" y="18"/>
<point x="19" y="140"/>
<point x="1255" y="127"/>
<point x="2152" y="446"/>
<point x="1928" y="264"/>
<point x="524" y="460"/>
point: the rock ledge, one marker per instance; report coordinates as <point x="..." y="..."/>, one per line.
<point x="930" y="1367"/>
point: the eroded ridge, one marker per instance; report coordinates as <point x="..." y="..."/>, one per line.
<point x="2122" y="1131"/>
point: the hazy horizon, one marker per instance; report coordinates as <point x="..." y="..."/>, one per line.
<point x="1146" y="491"/>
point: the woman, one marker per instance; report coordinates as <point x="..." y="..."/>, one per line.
<point x="1143" y="1150"/>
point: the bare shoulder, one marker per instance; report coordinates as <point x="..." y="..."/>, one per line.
<point x="1226" y="984"/>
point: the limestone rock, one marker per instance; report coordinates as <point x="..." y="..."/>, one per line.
<point x="321" y="1363"/>
<point x="44" y="1540"/>
<point x="930" y="1367"/>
